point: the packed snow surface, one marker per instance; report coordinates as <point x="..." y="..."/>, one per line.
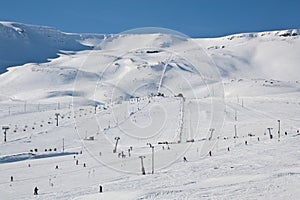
<point x="67" y="99"/>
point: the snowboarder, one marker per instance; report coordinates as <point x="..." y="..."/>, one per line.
<point x="56" y="167"/>
<point x="35" y="191"/>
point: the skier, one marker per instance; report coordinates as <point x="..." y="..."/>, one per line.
<point x="184" y="159"/>
<point x="209" y="153"/>
<point x="35" y="191"/>
<point x="228" y="149"/>
<point x="100" y="188"/>
<point x="129" y="152"/>
<point x="11" y="178"/>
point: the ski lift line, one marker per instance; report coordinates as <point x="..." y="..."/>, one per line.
<point x="241" y="141"/>
<point x="253" y="109"/>
<point x="74" y="171"/>
<point x="179" y="132"/>
<point x="181" y="120"/>
<point x="47" y="107"/>
<point x="128" y="117"/>
<point x="65" y="161"/>
<point x="44" y="176"/>
<point x="163" y="73"/>
<point x="265" y="114"/>
<point x="30" y="134"/>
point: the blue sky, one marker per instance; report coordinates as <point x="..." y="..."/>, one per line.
<point x="195" y="18"/>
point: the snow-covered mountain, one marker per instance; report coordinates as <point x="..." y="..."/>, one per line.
<point x="54" y="59"/>
<point x="66" y="98"/>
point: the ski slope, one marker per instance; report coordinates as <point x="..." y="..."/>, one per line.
<point x="138" y="88"/>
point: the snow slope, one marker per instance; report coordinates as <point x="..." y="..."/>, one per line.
<point x="132" y="86"/>
<point x="269" y="55"/>
<point x="22" y="43"/>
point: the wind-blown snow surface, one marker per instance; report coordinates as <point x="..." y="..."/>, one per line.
<point x="44" y="71"/>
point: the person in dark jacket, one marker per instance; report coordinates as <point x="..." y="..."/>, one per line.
<point x="35" y="191"/>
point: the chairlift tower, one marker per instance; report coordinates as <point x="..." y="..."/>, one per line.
<point x="269" y="129"/>
<point x="151" y="146"/>
<point x="56" y="117"/>
<point x="116" y="145"/>
<point x="5" y="128"/>
<point x="142" y="163"/>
